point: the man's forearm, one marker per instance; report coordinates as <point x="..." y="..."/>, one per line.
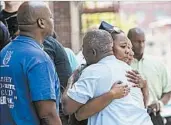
<point x="46" y="111"/>
<point x="166" y="97"/>
<point x="93" y="106"/>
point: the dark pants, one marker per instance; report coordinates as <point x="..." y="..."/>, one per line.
<point x="168" y="120"/>
<point x="70" y="120"/>
<point x="156" y="118"/>
<point x="73" y="121"/>
<point x="64" y="118"/>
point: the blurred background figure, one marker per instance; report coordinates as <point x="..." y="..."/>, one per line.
<point x="9" y="17"/>
<point x="154" y="72"/>
<point x="72" y="59"/>
<point x="62" y="65"/>
<point x="4" y="35"/>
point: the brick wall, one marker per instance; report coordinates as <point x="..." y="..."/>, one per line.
<point x="61" y="11"/>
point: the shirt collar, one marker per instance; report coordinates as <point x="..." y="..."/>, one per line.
<point x="30" y="40"/>
<point x="142" y="59"/>
<point x="108" y="58"/>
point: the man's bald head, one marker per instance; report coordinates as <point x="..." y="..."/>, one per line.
<point x="137" y="38"/>
<point x="135" y="31"/>
<point x="29" y="12"/>
<point x="37" y="16"/>
<point x="96" y="43"/>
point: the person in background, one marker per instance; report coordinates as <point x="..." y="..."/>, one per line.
<point x="4" y="35"/>
<point x="30" y="89"/>
<point x="72" y="59"/>
<point x="9" y="17"/>
<point x="59" y="57"/>
<point x="62" y="65"/>
<point x="154" y="72"/>
<point x="80" y="58"/>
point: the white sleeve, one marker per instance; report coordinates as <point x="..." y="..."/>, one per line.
<point x="84" y="89"/>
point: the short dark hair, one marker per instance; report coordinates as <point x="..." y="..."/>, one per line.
<point x="99" y="39"/>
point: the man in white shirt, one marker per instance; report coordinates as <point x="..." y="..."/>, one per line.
<point x="98" y="78"/>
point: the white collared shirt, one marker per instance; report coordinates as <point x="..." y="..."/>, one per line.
<point x="98" y="79"/>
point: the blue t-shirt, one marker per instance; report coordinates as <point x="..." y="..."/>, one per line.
<point x="27" y="74"/>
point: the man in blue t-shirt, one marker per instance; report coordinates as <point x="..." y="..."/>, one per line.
<point x="29" y="86"/>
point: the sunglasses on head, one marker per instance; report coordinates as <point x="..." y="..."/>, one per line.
<point x="115" y="29"/>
